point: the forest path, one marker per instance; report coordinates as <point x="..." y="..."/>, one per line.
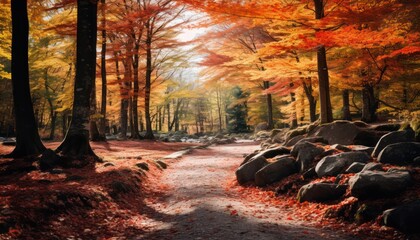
<point x="198" y="204"/>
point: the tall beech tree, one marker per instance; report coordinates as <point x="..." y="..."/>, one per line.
<point x="28" y="141"/>
<point x="76" y="142"/>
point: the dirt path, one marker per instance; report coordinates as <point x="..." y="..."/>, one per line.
<point x="199" y="206"/>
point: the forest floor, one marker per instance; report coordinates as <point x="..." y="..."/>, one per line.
<point x="197" y="197"/>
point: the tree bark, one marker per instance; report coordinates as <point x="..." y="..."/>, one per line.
<point x="269" y="100"/>
<point x="28" y="141"/>
<point x="102" y="122"/>
<point x="307" y="86"/>
<point x="346" y="105"/>
<point x="324" y="85"/>
<point x="136" y="134"/>
<point x="370" y="104"/>
<point x="147" y="87"/>
<point x="76" y="143"/>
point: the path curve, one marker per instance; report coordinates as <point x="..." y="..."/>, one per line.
<point x="199" y="206"/>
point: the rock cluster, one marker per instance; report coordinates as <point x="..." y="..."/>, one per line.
<point x="363" y="161"/>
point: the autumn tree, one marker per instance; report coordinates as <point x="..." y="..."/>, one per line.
<point x="28" y="141"/>
<point x="76" y="142"/>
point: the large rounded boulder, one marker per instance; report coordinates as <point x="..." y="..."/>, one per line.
<point x="246" y="172"/>
<point x="338" y="132"/>
<point x="275" y="171"/>
<point x="369" y="184"/>
<point x="393" y="137"/>
<point x="404" y="218"/>
<point x="319" y="192"/>
<point x="400" y="153"/>
<point x="306" y="152"/>
<point x="336" y="164"/>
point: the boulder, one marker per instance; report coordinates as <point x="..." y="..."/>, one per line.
<point x="371" y="184"/>
<point x="361" y="148"/>
<point x="368" y="137"/>
<point x="340" y="147"/>
<point x="355" y="167"/>
<point x="293" y="140"/>
<point x="248" y="157"/>
<point x="313" y="140"/>
<point x="335" y="164"/>
<point x="301" y="131"/>
<point x="275" y="171"/>
<point x="272" y="152"/>
<point x="404" y="218"/>
<point x="373" y="167"/>
<point x="306" y="153"/>
<point x="400" y="153"/>
<point x="338" y="132"/>
<point x="246" y="172"/>
<point x="319" y="192"/>
<point x="393" y="137"/>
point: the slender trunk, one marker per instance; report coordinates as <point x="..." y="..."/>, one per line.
<point x="370" y="104"/>
<point x="102" y="122"/>
<point x="136" y="133"/>
<point x="76" y="143"/>
<point x="219" y="109"/>
<point x="28" y="141"/>
<point x="93" y="127"/>
<point x="124" y="100"/>
<point x="307" y="86"/>
<point x="269" y="100"/>
<point x="169" y="116"/>
<point x="147" y="87"/>
<point x="53" y="114"/>
<point x="324" y="85"/>
<point x="346" y="105"/>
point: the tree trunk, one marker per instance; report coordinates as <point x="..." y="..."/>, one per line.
<point x="53" y="114"/>
<point x="346" y="105"/>
<point x="93" y="127"/>
<point x="28" y="141"/>
<point x="219" y="110"/>
<point x="294" y="115"/>
<point x="136" y="93"/>
<point x="102" y="122"/>
<point x="324" y="85"/>
<point x="169" y="115"/>
<point x="370" y="104"/>
<point x="307" y="86"/>
<point x="269" y="100"/>
<point x="147" y="87"/>
<point x="76" y="143"/>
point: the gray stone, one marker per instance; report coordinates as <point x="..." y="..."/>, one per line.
<point x="293" y="140"/>
<point x="319" y="192"/>
<point x="338" y="132"/>
<point x="373" y="167"/>
<point x="313" y="140"/>
<point x="246" y="172"/>
<point x="400" y="153"/>
<point x="335" y="164"/>
<point x="393" y="137"/>
<point x="368" y="137"/>
<point x="340" y="147"/>
<point x="361" y="148"/>
<point x="272" y="152"/>
<point x="404" y="218"/>
<point x="371" y="184"/>
<point x="275" y="171"/>
<point x="306" y="153"/>
<point x="355" y="167"/>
